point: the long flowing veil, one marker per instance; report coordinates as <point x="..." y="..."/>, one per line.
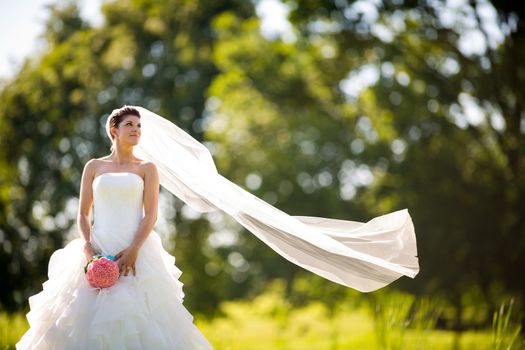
<point x="364" y="256"/>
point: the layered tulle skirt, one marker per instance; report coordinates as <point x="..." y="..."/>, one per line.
<point x="139" y="312"/>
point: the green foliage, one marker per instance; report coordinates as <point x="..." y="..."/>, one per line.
<point x="280" y="121"/>
<point x="505" y="330"/>
<point x="430" y="156"/>
<point x="12" y="326"/>
<point x="254" y="324"/>
<point x="390" y="313"/>
<point x="425" y="314"/>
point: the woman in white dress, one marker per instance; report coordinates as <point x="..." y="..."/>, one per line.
<point x="144" y="309"/>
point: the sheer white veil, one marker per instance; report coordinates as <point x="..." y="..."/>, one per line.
<point x="364" y="256"/>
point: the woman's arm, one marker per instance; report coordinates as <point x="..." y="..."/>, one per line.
<point x="84" y="208"/>
<point x="86" y="201"/>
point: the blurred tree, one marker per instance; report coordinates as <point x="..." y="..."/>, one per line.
<point x="156" y="54"/>
<point x="40" y="148"/>
<point x="443" y="108"/>
<point x="280" y="132"/>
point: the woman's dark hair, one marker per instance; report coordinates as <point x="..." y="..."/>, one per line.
<point x="115" y="118"/>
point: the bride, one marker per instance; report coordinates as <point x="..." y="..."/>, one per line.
<point x="144" y="309"/>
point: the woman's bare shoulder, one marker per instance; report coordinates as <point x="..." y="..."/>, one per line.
<point x="93" y="163"/>
<point x="148" y="165"/>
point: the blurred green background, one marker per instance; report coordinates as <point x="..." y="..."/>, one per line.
<point x="343" y="109"/>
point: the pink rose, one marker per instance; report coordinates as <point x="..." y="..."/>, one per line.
<point x="102" y="272"/>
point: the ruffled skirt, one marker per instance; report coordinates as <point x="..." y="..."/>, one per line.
<point x="139" y="312"/>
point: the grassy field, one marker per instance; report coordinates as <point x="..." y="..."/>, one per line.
<point x="306" y="328"/>
<point x="309" y="328"/>
<point x="270" y="322"/>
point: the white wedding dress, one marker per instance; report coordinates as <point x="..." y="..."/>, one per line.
<point x="139" y="312"/>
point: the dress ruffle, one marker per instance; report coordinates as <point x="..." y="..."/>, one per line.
<point x="139" y="312"/>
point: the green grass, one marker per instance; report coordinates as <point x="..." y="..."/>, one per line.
<point x="11" y="329"/>
<point x="505" y="333"/>
<point x="270" y="322"/>
<point x="309" y="328"/>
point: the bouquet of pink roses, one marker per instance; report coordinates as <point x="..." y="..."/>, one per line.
<point x="102" y="271"/>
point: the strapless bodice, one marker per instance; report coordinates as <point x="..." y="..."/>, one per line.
<point x="117" y="207"/>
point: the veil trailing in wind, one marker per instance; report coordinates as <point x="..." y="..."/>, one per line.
<point x="364" y="256"/>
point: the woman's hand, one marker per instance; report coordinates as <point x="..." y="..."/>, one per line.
<point x="89" y="251"/>
<point x="128" y="258"/>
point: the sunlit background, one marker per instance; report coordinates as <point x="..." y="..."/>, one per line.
<point x="343" y="109"/>
<point x="24" y="21"/>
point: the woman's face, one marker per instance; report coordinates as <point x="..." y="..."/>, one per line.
<point x="128" y="130"/>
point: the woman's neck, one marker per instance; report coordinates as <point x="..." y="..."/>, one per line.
<point x="122" y="155"/>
